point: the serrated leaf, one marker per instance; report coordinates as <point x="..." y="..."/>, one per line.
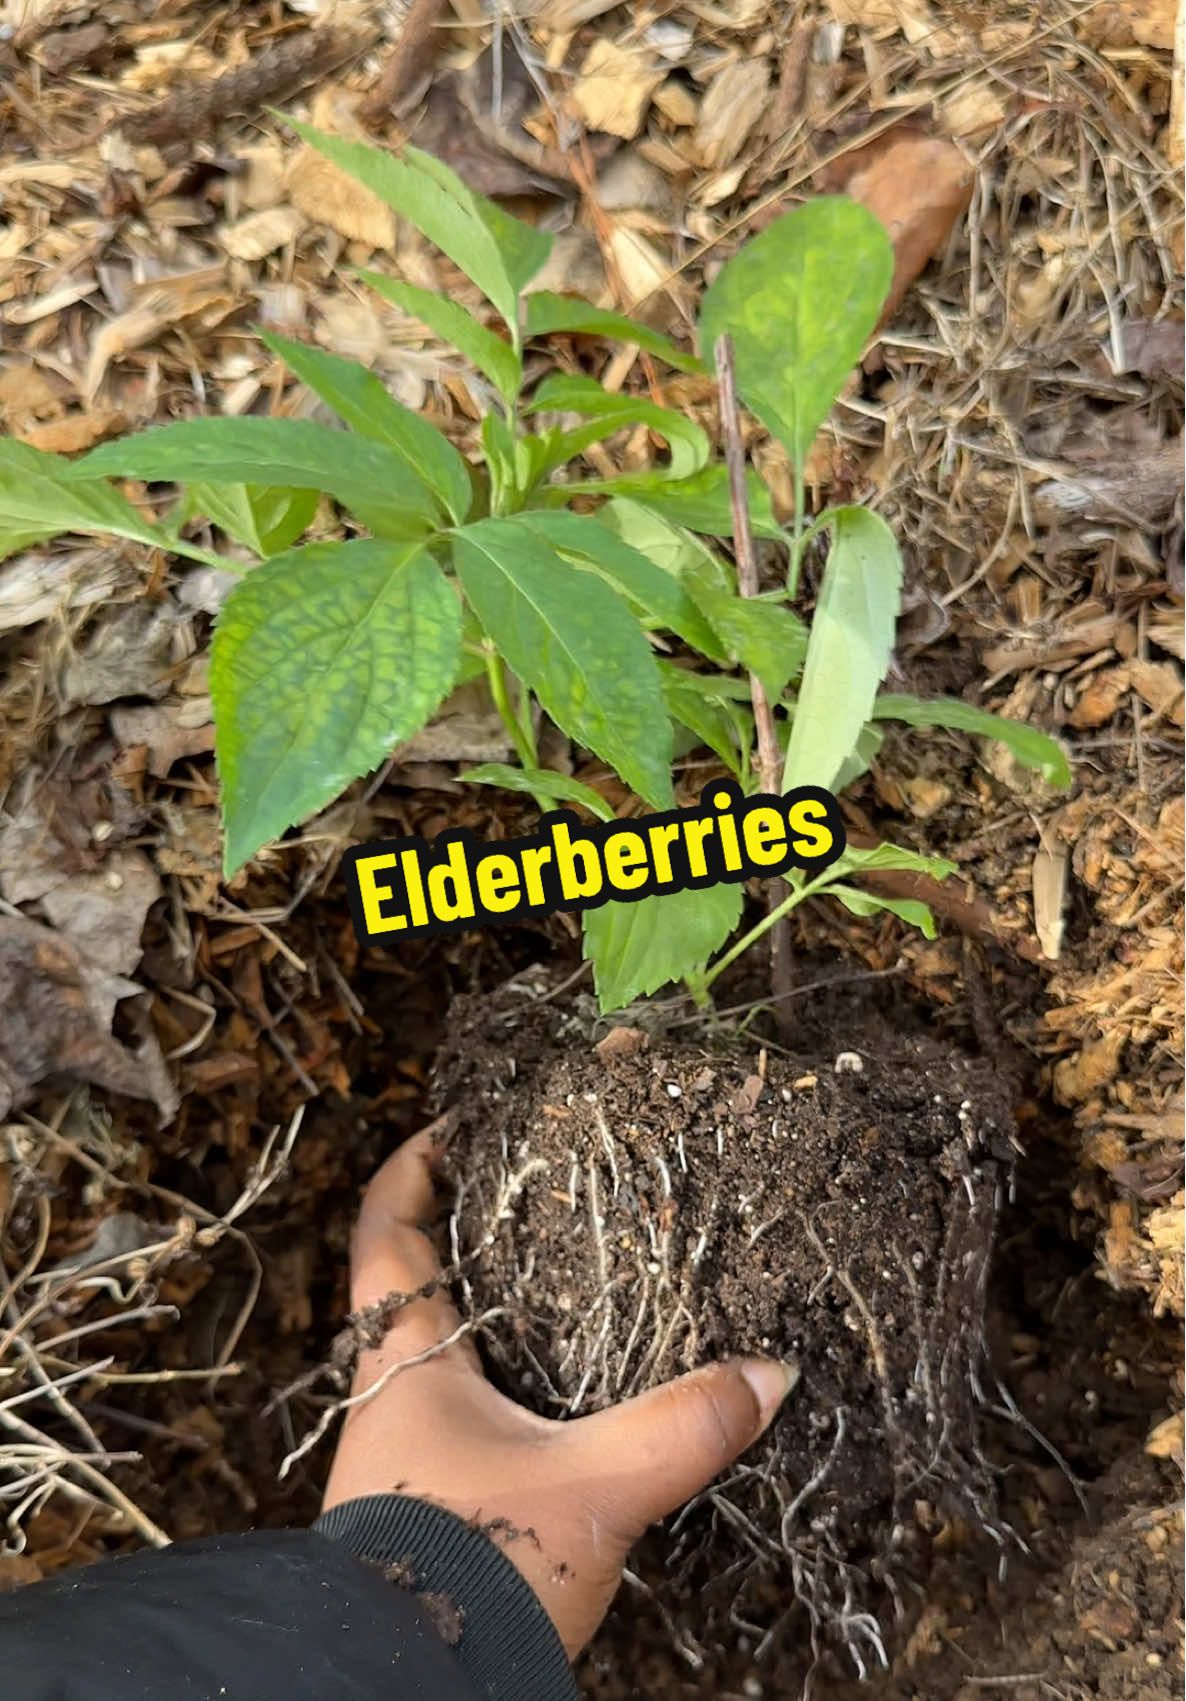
<point x="574" y="642"/>
<point x="545" y="313"/>
<point x="572" y="393"/>
<point x="717" y="724"/>
<point x="368" y="407"/>
<point x="541" y="782"/>
<point x="323" y="659"/>
<point x="856" y="763"/>
<point x="365" y="477"/>
<point x="43" y="494"/>
<point x="764" y="637"/>
<point x="1033" y="749"/>
<point x="799" y="302"/>
<point x="657" y="593"/>
<point x="488" y="352"/>
<point x="701" y="503"/>
<point x="910" y="910"/>
<point x="674" y="548"/>
<point x="852" y="636"/>
<point x="266" y="518"/>
<point x="500" y="253"/>
<point x="637" y="948"/>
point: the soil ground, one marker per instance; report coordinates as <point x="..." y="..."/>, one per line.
<point x="228" y="1067"/>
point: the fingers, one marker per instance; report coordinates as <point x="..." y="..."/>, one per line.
<point x="391" y="1253"/>
<point x="647" y="1457"/>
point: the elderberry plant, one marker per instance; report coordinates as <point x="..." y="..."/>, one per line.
<point x="619" y="622"/>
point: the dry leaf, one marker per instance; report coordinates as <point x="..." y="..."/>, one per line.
<point x="918" y="186"/>
<point x="614" y="89"/>
<point x="168" y="731"/>
<point x="262" y="233"/>
<point x="104" y="913"/>
<point x="58" y="1012"/>
<point x="736" y="99"/>
<point x="130" y="655"/>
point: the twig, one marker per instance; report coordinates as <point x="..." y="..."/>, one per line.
<point x="769" y="756"/>
<point x="409" y="59"/>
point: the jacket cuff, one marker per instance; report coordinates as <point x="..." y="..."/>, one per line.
<point x="505" y="1641"/>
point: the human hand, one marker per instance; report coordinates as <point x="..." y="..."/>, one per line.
<point x="571" y="1498"/>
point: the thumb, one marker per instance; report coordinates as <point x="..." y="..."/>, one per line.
<point x="649" y="1455"/>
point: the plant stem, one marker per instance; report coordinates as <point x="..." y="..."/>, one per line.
<point x="798" y="537"/>
<point x="769" y="756"/>
<point x="497" y="677"/>
<point x="778" y="914"/>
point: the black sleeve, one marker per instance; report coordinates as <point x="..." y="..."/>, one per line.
<point x="387" y="1599"/>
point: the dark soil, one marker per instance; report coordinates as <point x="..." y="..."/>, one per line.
<point x="643" y="1206"/>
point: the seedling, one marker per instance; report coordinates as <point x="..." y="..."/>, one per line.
<point x="326" y="655"/>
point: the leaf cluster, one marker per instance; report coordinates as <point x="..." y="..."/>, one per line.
<point x="621" y="623"/>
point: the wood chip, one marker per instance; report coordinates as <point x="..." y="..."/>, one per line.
<point x="1049" y="883"/>
<point x="259" y="234"/>
<point x="164" y="302"/>
<point x="736" y="99"/>
<point x="614" y="89"/>
<point x="328" y="196"/>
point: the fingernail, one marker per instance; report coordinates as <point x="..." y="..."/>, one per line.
<point x="770" y="1380"/>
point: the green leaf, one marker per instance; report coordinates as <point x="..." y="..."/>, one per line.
<point x="322" y="660"/>
<point x="571" y="393"/>
<point x="488" y="352"/>
<point x="856" y="763"/>
<point x="267" y="518"/>
<point x="365" y="403"/>
<point x="701" y="503"/>
<point x="575" y="644"/>
<point x="800" y="301"/>
<point x="716" y="723"/>
<point x="763" y="637"/>
<point x="365" y="477"/>
<point x="856" y="861"/>
<point x="42" y="494"/>
<point x="671" y="547"/>
<point x="646" y="586"/>
<point x="637" y="948"/>
<point x="852" y="635"/>
<point x="911" y="910"/>
<point x="12" y="540"/>
<point x="500" y="253"/>
<point x="545" y="313"/>
<point x="541" y="782"/>
<point x="1033" y="749"/>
